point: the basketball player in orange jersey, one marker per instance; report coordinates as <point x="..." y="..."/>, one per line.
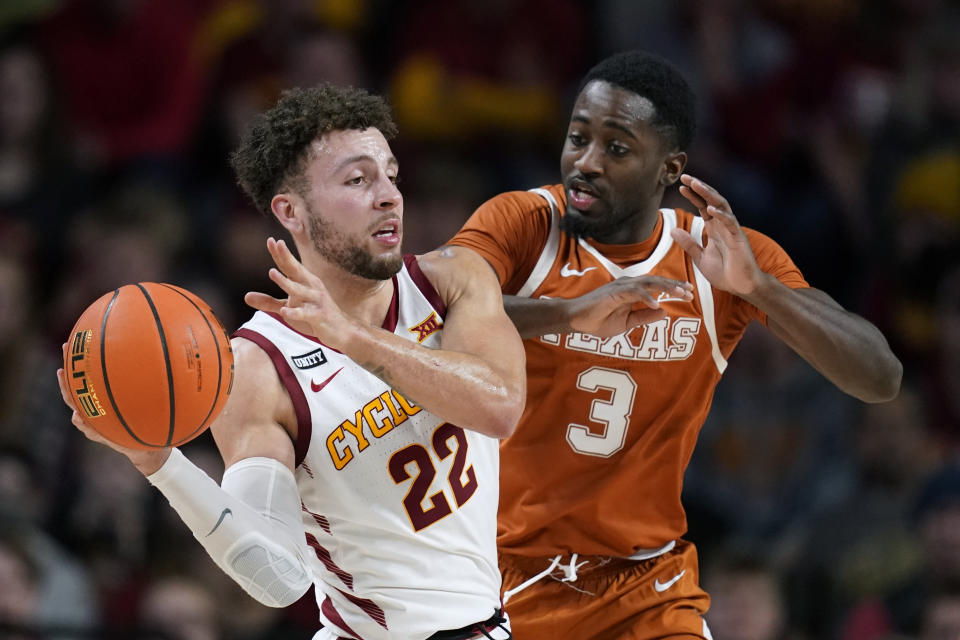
<point x="590" y="523"/>
<point x="360" y="439"/>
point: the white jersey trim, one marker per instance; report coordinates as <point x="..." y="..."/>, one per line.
<point x="705" y="294"/>
<point x="643" y="267"/>
<point x="550" y="249"/>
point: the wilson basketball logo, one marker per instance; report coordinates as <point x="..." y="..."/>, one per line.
<point x="86" y="394"/>
<point x="426" y="328"/>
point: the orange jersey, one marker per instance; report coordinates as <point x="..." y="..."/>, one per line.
<point x="596" y="464"/>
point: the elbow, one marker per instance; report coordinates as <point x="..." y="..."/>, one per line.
<point x="280" y="594"/>
<point x="503" y="419"/>
<point x="886" y="383"/>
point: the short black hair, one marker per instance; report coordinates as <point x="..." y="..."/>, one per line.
<point x="272" y="151"/>
<point x="655" y="79"/>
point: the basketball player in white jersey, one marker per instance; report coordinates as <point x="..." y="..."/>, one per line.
<point x="361" y="436"/>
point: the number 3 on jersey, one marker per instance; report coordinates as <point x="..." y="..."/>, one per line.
<point x="613" y="413"/>
<point x="462" y="483"/>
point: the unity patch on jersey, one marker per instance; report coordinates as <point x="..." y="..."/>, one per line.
<point x="309" y="360"/>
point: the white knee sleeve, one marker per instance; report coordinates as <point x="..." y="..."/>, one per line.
<point x="251" y="525"/>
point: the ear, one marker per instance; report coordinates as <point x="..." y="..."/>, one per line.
<point x="673" y="166"/>
<point x="285" y="207"/>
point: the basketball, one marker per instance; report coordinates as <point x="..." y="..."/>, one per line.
<point x="148" y="365"/>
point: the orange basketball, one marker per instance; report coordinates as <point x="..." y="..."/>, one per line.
<point x="149" y="365"/>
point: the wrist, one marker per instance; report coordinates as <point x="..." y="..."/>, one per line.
<point x="149" y="462"/>
<point x="763" y="285"/>
<point x="558" y="315"/>
<point x="355" y="341"/>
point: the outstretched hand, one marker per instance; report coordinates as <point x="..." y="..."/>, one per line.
<point x="308" y="307"/>
<point x="623" y="304"/>
<point x="726" y="259"/>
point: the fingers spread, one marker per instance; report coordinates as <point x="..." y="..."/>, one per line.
<point x="687" y="243"/>
<point x="286" y="262"/>
<point x="694" y="199"/>
<point x="263" y="302"/>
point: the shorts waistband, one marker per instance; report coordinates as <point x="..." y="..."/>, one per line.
<point x="475" y="630"/>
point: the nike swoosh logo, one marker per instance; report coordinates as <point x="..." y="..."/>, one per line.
<point x="663" y="586"/>
<point x="664" y="297"/>
<point x="223" y="514"/>
<point x="317" y="387"/>
<point x="566" y="271"/>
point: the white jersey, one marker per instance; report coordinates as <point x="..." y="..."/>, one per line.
<point x="399" y="506"/>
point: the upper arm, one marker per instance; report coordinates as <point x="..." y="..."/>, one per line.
<point x="256" y="420"/>
<point x="508" y="231"/>
<point x="476" y="322"/>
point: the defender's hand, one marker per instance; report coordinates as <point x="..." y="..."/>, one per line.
<point x="623" y="304"/>
<point x="308" y="307"/>
<point x="727" y="259"/>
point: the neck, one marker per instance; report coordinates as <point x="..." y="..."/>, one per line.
<point x="367" y="301"/>
<point x="634" y="229"/>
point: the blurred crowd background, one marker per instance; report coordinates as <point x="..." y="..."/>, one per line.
<point x="831" y="125"/>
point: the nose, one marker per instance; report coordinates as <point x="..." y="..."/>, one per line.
<point x="590" y="161"/>
<point x="389" y="196"/>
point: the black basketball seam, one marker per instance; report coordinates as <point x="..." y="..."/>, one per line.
<point x="103" y="367"/>
<point x="219" y="362"/>
<point x="166" y="361"/>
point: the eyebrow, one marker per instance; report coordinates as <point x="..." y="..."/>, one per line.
<point x="363" y="157"/>
<point x="613" y="124"/>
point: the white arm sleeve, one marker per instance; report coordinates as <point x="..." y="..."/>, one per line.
<point x="251" y="525"/>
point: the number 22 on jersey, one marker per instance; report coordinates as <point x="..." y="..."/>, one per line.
<point x="463" y="482"/>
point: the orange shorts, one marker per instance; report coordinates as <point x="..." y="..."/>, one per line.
<point x="611" y="599"/>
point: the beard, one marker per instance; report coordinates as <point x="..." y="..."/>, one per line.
<point x="600" y="229"/>
<point x="579" y="226"/>
<point x="349" y="255"/>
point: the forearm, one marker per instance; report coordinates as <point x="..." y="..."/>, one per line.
<point x="535" y="317"/>
<point x="848" y="350"/>
<point x="458" y="387"/>
<point x="250" y="526"/>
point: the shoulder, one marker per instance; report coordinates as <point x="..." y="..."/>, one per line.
<point x="513" y="209"/>
<point x="453" y="270"/>
<point x="521" y="201"/>
<point x="257" y="387"/>
<point x="259" y="409"/>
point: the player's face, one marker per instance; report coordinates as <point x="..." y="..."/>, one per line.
<point x="613" y="165"/>
<point x="355" y="211"/>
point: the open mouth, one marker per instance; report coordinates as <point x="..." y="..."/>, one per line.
<point x="388" y="232"/>
<point x="581" y="195"/>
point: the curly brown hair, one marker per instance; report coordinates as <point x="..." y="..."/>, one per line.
<point x="272" y="152"/>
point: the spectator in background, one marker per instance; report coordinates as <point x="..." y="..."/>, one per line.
<point x="861" y="545"/>
<point x="40" y="182"/>
<point x="478" y="89"/>
<point x="901" y="608"/>
<point x="50" y="579"/>
<point x="130" y="77"/>
<point x="772" y="449"/>
<point x="180" y="608"/>
<point x="943" y="382"/>
<point x="25" y="360"/>
<point x="19" y="597"/>
<point x="911" y="184"/>
<point x="747" y="600"/>
<point x="145" y="227"/>
<point x="941" y="616"/>
<point x="452" y="84"/>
